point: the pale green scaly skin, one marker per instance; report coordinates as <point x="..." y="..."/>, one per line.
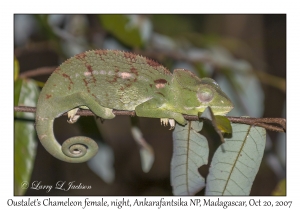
<point x="103" y="80"/>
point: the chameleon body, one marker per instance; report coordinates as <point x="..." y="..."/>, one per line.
<point x="103" y="80"/>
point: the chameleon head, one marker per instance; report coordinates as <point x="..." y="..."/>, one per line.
<point x="196" y="94"/>
<point x="210" y="94"/>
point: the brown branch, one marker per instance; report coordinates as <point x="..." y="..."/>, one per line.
<point x="273" y="124"/>
<point x="37" y="72"/>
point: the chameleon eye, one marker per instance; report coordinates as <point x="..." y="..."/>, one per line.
<point x="205" y="95"/>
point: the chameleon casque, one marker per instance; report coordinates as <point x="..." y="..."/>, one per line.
<point x="103" y="80"/>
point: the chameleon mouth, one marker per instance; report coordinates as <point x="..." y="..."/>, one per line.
<point x="217" y="110"/>
<point x="221" y="110"/>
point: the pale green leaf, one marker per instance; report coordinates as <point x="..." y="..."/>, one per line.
<point x="243" y="88"/>
<point x="123" y="29"/>
<point x="190" y="152"/>
<point x="236" y="162"/>
<point x="146" y="151"/>
<point x="24" y="141"/>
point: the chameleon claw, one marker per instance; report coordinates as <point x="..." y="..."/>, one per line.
<point x="166" y="121"/>
<point x="72" y="117"/>
<point x="172" y="124"/>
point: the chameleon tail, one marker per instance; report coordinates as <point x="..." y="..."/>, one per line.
<point x="74" y="150"/>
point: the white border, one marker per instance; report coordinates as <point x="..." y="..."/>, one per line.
<point x="29" y="6"/>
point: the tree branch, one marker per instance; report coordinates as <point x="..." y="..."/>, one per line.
<point x="273" y="124"/>
<point x="36" y="72"/>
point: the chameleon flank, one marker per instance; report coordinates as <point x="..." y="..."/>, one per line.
<point x="103" y="80"/>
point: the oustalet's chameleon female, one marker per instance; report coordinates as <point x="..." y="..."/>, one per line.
<point x="103" y="80"/>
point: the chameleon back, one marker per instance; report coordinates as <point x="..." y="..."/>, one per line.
<point x="115" y="79"/>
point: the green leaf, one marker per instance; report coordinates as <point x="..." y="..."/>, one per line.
<point x="46" y="29"/>
<point x="190" y="151"/>
<point x="236" y="162"/>
<point x="200" y="69"/>
<point x="280" y="189"/>
<point x="17" y="91"/>
<point x="123" y="29"/>
<point x="177" y="25"/>
<point x="220" y="123"/>
<point x="25" y="138"/>
<point x="223" y="124"/>
<point x="18" y="82"/>
<point x="16" y="69"/>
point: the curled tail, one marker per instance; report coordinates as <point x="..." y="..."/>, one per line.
<point x="74" y="150"/>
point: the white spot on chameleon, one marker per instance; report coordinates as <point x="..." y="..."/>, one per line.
<point x="125" y="75"/>
<point x="102" y="72"/>
<point x="87" y="73"/>
<point x="43" y="136"/>
<point x="160" y="85"/>
<point x="95" y="72"/>
<point x="188" y="108"/>
<point x="222" y="101"/>
<point x="111" y="73"/>
<point x="42" y="118"/>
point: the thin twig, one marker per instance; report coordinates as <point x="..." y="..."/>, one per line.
<point x="273" y="124"/>
<point x="37" y="72"/>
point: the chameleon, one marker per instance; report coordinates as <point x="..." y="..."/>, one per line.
<point x="107" y="80"/>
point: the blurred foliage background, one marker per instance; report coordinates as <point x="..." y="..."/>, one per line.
<point x="245" y="54"/>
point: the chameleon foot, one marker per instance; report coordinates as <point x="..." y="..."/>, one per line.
<point x="72" y="117"/>
<point x="166" y="121"/>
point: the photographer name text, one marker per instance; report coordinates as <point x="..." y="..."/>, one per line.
<point x="60" y="185"/>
